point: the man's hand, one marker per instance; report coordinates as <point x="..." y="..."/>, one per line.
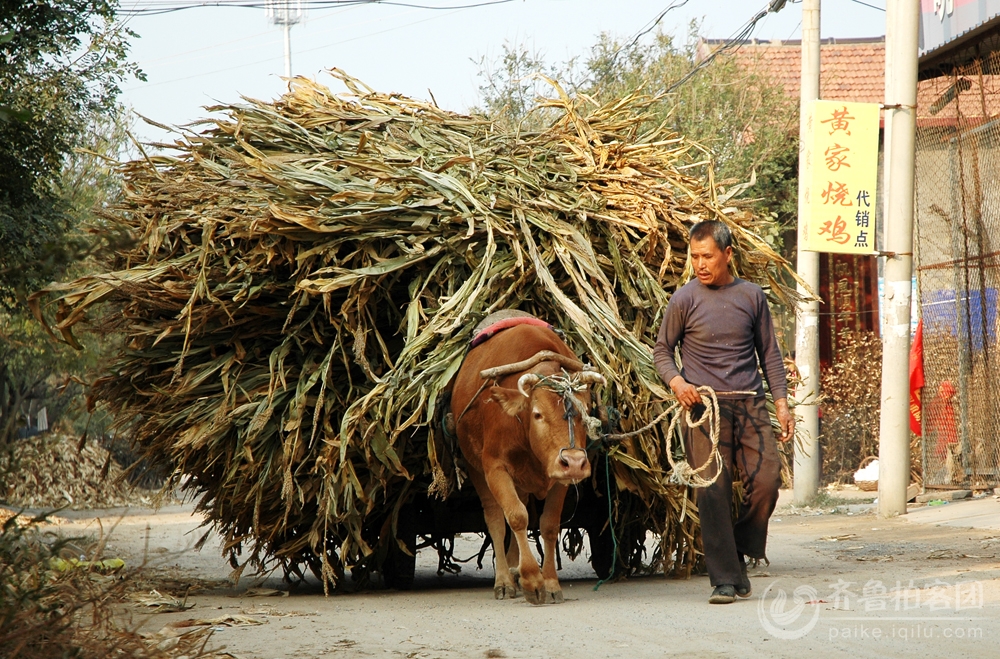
<point x="785" y="419"/>
<point x="685" y="392"/>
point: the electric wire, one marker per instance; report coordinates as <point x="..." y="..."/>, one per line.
<point x="155" y="8"/>
<point x="646" y="29"/>
<point x="269" y="34"/>
<point x="146" y="86"/>
<point x="865" y="4"/>
<point x="732" y="43"/>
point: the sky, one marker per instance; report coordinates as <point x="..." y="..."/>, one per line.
<point x="206" y="55"/>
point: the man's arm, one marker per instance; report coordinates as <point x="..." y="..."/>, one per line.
<point x="671" y="331"/>
<point x="774" y="368"/>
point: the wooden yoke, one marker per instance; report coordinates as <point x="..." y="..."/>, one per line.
<point x="543" y="356"/>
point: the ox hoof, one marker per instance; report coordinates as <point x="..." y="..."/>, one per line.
<point x="505" y="591"/>
<point x="543" y="596"/>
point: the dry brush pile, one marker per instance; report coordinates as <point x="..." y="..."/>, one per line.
<point x="50" y="610"/>
<point x="852" y="406"/>
<point x="304" y="282"/>
<point x="55" y="470"/>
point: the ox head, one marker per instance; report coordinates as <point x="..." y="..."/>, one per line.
<point x="551" y="405"/>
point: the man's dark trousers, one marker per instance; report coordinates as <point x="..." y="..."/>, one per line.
<point x="746" y="441"/>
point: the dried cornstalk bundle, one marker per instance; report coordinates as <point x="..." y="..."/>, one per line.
<point x="307" y="274"/>
<point x="55" y="471"/>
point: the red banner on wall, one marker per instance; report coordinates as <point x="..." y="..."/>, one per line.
<point x="916" y="377"/>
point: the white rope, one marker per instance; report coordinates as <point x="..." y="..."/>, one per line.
<point x="681" y="471"/>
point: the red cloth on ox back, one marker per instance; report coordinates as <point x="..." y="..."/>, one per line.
<point x="486" y="333"/>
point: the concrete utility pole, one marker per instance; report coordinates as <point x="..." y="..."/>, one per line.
<point x="285" y="13"/>
<point x="806" y="467"/>
<point x="901" y="34"/>
<point x="288" y="50"/>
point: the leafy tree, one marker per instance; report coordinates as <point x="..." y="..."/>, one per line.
<point x="34" y="369"/>
<point x="510" y="85"/>
<point x="61" y="64"/>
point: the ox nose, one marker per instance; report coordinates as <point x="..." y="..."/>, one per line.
<point x="573" y="464"/>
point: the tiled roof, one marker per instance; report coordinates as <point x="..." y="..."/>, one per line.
<point x="854" y="70"/>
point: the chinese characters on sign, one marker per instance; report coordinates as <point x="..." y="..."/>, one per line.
<point x="842" y="158"/>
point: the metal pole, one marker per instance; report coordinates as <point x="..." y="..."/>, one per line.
<point x="806" y="467"/>
<point x="288" y="49"/>
<point x="958" y="253"/>
<point x="901" y="30"/>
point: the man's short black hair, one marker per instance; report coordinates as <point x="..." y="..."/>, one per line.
<point x="714" y="229"/>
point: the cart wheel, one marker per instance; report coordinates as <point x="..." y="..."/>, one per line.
<point x="399" y="567"/>
<point x="602" y="553"/>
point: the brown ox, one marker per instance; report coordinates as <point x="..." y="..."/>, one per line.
<point x="515" y="435"/>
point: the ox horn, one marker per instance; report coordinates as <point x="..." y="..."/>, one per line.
<point x="527" y="381"/>
<point x="591" y="377"/>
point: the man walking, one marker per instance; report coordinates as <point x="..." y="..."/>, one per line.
<point x="724" y="329"/>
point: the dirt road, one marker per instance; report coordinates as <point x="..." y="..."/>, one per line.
<point x="838" y="586"/>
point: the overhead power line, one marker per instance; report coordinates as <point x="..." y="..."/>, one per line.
<point x="732" y="43"/>
<point x="743" y="33"/>
<point x="157" y="7"/>
<point x="150" y="85"/>
<point x="646" y="29"/>
<point x="865" y="4"/>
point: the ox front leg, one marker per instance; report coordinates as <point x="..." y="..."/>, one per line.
<point x="516" y="513"/>
<point x="504" y="582"/>
<point x="549" y="524"/>
<point x="513" y="552"/>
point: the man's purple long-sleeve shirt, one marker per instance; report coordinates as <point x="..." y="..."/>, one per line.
<point x="722" y="332"/>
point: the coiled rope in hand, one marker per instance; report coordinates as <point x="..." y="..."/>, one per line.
<point x="681" y="471"/>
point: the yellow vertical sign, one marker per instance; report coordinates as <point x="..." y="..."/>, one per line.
<point x="842" y="161"/>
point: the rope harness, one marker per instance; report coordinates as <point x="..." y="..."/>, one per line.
<point x="566" y="386"/>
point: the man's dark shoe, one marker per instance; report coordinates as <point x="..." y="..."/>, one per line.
<point x="724" y="594"/>
<point x="743" y="588"/>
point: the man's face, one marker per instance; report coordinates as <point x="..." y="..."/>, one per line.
<point x="711" y="264"/>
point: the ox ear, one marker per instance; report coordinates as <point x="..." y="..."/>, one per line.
<point x="511" y="400"/>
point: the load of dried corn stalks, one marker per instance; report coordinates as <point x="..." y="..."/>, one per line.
<point x="307" y="274"/>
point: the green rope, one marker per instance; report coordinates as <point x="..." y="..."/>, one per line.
<point x="611" y="525"/>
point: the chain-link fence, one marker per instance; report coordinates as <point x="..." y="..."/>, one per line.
<point x="958" y="252"/>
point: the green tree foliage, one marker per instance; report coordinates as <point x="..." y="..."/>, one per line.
<point x="510" y="84"/>
<point x="61" y="64"/>
<point x="33" y="369"/>
<point x="742" y="118"/>
<point x="36" y="370"/>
